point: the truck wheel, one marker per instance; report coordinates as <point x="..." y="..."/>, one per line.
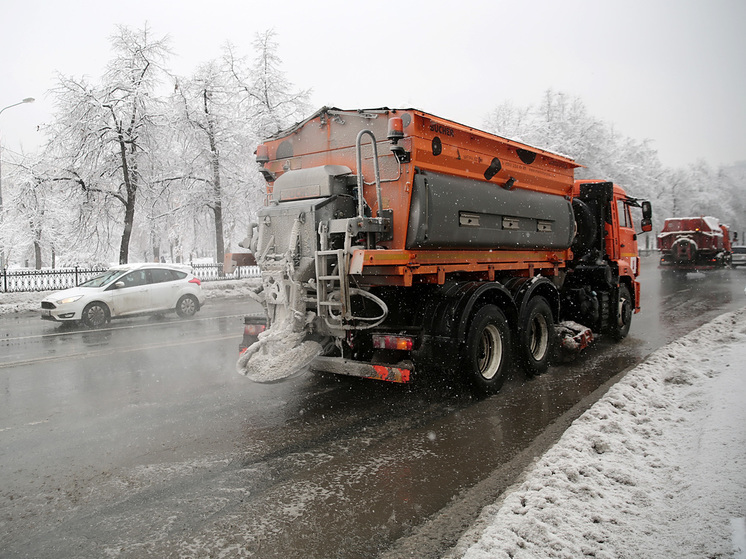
<point x="487" y="349"/>
<point x="622" y="319"/>
<point x="95" y="315"/>
<point x="537" y="334"/>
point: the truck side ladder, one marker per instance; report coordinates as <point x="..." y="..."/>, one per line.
<point x="332" y="287"/>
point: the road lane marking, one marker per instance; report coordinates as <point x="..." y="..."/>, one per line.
<point x="112" y="351"/>
<point x="115" y="328"/>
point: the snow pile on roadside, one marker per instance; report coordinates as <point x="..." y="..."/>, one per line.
<point x="230" y="288"/>
<point x="656" y="468"/>
<point x="21" y="302"/>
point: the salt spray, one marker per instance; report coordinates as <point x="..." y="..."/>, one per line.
<point x="278" y="354"/>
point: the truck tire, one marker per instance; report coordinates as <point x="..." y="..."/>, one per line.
<point x="487" y="356"/>
<point x="622" y="319"/>
<point x="95" y="315"/>
<point x="536" y="336"/>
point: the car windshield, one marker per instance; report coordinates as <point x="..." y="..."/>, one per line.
<point x="103" y="279"/>
<point x="739" y="250"/>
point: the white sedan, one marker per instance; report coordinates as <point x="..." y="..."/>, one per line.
<point x="127" y="290"/>
<point x="738" y="256"/>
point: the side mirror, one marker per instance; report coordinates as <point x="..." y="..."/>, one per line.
<point x="647" y="216"/>
<point x="647" y="210"/>
<point x="119" y="284"/>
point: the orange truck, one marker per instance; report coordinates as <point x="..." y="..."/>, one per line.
<point x="693" y="244"/>
<point x="404" y="244"/>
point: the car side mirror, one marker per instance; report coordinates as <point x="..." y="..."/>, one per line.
<point x="119" y="284"/>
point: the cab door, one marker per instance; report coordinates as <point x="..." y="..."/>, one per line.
<point x="628" y="254"/>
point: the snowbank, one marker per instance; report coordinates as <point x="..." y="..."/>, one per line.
<point x="656" y="468"/>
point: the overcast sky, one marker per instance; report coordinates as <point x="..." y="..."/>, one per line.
<point x="671" y="71"/>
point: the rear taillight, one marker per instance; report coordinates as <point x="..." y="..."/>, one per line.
<point x="253" y="329"/>
<point x="195" y="281"/>
<point x="387" y="341"/>
<point x="253" y="325"/>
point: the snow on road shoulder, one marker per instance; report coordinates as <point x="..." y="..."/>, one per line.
<point x="656" y="468"/>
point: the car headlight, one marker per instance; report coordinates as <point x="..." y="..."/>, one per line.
<point x="68" y="300"/>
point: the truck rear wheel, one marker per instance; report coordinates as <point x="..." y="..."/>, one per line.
<point x="537" y="334"/>
<point x="487" y="349"/>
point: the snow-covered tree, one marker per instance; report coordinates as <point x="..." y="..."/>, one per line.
<point x="562" y="124"/>
<point x="219" y="114"/>
<point x="270" y="100"/>
<point x="212" y="141"/>
<point x="103" y="133"/>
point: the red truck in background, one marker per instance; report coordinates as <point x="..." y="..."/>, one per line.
<point x="399" y="242"/>
<point x="694" y="244"/>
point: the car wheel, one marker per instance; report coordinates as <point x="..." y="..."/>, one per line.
<point x="537" y="335"/>
<point x="95" y="315"/>
<point x="487" y="350"/>
<point x="187" y="306"/>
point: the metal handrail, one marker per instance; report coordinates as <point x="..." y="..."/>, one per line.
<point x="360" y="183"/>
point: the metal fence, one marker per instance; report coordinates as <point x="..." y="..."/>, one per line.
<point x="214" y="272"/>
<point x="19" y="281"/>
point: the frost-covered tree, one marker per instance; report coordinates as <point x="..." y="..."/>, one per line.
<point x="137" y="168"/>
<point x="45" y="223"/>
<point x="218" y="115"/>
<point x="270" y="100"/>
<point x="562" y="124"/>
<point x="212" y="140"/>
<point x="102" y="135"/>
<point x="733" y="182"/>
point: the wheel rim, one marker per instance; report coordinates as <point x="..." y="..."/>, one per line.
<point x="188" y="306"/>
<point x="625" y="311"/>
<point x="490" y="352"/>
<point x="96" y="315"/>
<point x="539" y="337"/>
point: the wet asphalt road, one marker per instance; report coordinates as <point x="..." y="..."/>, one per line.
<point x="141" y="440"/>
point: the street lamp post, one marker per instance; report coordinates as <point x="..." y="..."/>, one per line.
<point x="26" y="100"/>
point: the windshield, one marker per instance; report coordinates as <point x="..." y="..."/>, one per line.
<point x="103" y="279"/>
